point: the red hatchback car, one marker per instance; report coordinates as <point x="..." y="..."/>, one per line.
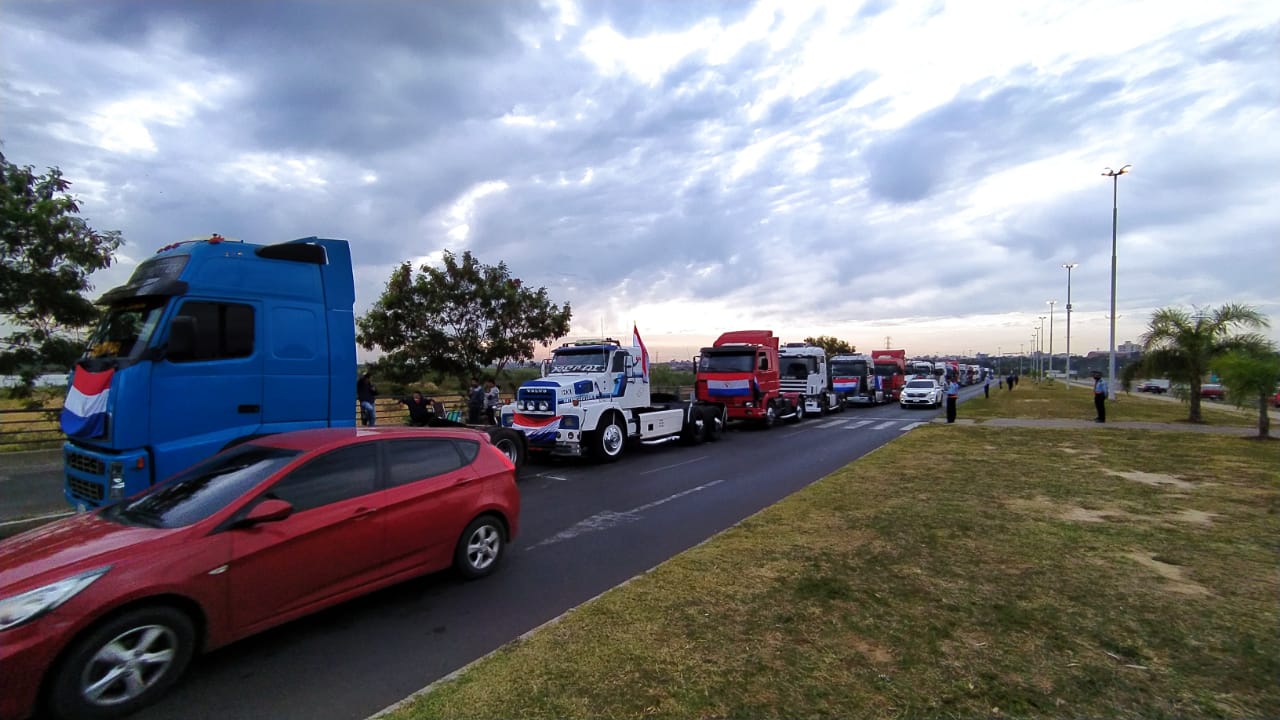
<point x="100" y="613"/>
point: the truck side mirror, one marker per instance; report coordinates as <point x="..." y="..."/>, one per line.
<point x="182" y="338"/>
<point x="764" y="362"/>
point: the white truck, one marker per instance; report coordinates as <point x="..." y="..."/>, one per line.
<point x="804" y="372"/>
<point x="593" y="398"/>
<point x="853" y="378"/>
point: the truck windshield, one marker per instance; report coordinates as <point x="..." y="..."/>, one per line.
<point x="848" y="368"/>
<point x="727" y="362"/>
<point x="202" y="490"/>
<point x="578" y="361"/>
<point x="887" y="370"/>
<point x="125" y="330"/>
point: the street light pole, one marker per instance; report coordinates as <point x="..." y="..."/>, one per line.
<point x="1069" y="267"/>
<point x="1115" y="216"/>
<point x="1040" y="350"/>
<point x="1052" y="303"/>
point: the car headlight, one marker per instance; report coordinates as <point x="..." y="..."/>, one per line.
<point x="18" y="609"/>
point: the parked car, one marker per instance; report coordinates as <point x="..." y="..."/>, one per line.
<point x="1275" y="401"/>
<point x="921" y="392"/>
<point x="1154" y="386"/>
<point x="1212" y="391"/>
<point x="100" y="613"/>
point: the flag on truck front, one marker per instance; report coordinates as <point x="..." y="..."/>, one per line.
<point x="536" y="429"/>
<point x="84" y="414"/>
<point x="741" y="387"/>
<point x="644" y="354"/>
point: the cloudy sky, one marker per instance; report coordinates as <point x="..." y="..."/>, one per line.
<point x="915" y="171"/>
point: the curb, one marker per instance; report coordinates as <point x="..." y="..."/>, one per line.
<point x="26" y="459"/>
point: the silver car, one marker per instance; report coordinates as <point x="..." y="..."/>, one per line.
<point x="921" y="392"/>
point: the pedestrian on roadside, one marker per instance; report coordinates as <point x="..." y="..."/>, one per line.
<point x="1099" y="396"/>
<point x="986" y="387"/>
<point x="475" y="403"/>
<point x="953" y="394"/>
<point x="492" y="401"/>
<point x="366" y="391"/>
<point x="1000" y="382"/>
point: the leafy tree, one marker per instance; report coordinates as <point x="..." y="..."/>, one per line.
<point x="458" y="319"/>
<point x="1251" y="373"/>
<point x="832" y="345"/>
<point x="1183" y="346"/>
<point x="47" y="253"/>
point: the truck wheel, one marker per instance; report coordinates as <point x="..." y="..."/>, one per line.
<point x="710" y="428"/>
<point x="608" y="441"/>
<point x="695" y="429"/>
<point x="123" y="664"/>
<point x="510" y="443"/>
<point x="770" y="416"/>
<point x="799" y="415"/>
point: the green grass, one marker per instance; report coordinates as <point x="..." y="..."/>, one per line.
<point x="960" y="571"/>
<point x="1054" y="400"/>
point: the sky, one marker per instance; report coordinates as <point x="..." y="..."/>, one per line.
<point x="905" y="174"/>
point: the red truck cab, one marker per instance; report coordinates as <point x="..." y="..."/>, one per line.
<point x="891" y="372"/>
<point x="739" y="373"/>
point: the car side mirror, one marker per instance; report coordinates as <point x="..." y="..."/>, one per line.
<point x="182" y="338"/>
<point x="269" y="510"/>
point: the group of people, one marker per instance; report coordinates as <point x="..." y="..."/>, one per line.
<point x="483" y="403"/>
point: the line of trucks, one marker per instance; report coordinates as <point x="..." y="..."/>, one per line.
<point x="213" y="342"/>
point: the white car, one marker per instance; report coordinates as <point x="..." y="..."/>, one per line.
<point x="922" y="392"/>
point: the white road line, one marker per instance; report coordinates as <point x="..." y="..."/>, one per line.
<point x="50" y="516"/>
<point x="608" y="518"/>
<point x="884" y="425"/>
<point x="913" y="425"/>
<point x="858" y="424"/>
<point x="668" y="467"/>
<point x="831" y="423"/>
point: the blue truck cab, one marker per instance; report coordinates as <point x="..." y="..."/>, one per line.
<point x="212" y="342"/>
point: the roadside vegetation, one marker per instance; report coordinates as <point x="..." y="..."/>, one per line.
<point x="960" y="571"/>
<point x="1054" y="400"/>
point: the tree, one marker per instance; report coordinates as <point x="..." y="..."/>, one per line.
<point x="458" y="319"/>
<point x="1251" y="373"/>
<point x="47" y="253"/>
<point x="1182" y="346"/>
<point x="832" y="345"/>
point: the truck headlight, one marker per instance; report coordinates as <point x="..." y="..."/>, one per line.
<point x="115" y="484"/>
<point x="542" y="405"/>
<point x="569" y="422"/>
<point x="519" y="404"/>
<point x="18" y="609"/>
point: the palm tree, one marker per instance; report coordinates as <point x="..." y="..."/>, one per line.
<point x="1182" y="346"/>
<point x="1248" y="374"/>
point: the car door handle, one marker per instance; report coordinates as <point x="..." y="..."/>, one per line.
<point x="462" y="481"/>
<point x="362" y="512"/>
<point x="249" y="409"/>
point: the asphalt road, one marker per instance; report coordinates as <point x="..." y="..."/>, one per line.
<point x="584" y="529"/>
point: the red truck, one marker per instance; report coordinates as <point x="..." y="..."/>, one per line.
<point x="891" y="372"/>
<point x="738" y="376"/>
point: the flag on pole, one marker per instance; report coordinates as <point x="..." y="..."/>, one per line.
<point x="644" y="354"/>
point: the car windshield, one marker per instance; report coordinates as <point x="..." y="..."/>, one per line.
<point x="921" y="384"/>
<point x="578" y="361"/>
<point x="848" y="368"/>
<point x="727" y="362"/>
<point x="202" y="490"/>
<point x="125" y="330"/>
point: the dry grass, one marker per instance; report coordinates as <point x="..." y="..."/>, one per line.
<point x="1045" y="579"/>
<point x="1054" y="400"/>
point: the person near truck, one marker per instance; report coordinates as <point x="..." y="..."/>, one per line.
<point x="953" y="394"/>
<point x="492" y="401"/>
<point x="1099" y="396"/>
<point x="366" y="391"/>
<point x="475" y="403"/>
<point x="421" y="409"/>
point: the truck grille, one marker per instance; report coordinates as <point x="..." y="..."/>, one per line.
<point x="796" y="386"/>
<point x="85" y="489"/>
<point x="85" y="464"/>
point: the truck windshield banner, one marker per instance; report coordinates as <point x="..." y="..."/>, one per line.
<point x="730" y="388"/>
<point x="844" y="384"/>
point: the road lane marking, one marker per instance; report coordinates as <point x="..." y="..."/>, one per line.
<point x="913" y="426"/>
<point x="676" y="465"/>
<point x="608" y="518"/>
<point x="857" y="424"/>
<point x="831" y="423"/>
<point x="885" y="424"/>
<point x="50" y="516"/>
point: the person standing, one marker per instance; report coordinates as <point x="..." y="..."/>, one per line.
<point x="953" y="394"/>
<point x="366" y="391"/>
<point x="1099" y="396"/>
<point x="421" y="411"/>
<point x="492" y="401"/>
<point x="475" y="403"/>
<point x="986" y="387"/>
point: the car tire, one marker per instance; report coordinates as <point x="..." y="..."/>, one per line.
<point x="607" y="442"/>
<point x="90" y="682"/>
<point x="480" y="548"/>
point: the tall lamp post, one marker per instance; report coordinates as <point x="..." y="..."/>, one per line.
<point x="1069" y="267"/>
<point x="1040" y="349"/>
<point x="1115" y="215"/>
<point x="1052" y="303"/>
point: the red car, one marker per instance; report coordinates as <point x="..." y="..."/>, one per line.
<point x="100" y="613"/>
<point x="1212" y="391"/>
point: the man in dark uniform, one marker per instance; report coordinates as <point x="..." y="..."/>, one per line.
<point x="953" y="394"/>
<point x="1099" y="396"/>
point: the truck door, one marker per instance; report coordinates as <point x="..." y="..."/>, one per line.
<point x="208" y="393"/>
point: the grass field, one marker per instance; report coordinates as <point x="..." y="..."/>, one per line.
<point x="959" y="571"/>
<point x="1053" y="400"/>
